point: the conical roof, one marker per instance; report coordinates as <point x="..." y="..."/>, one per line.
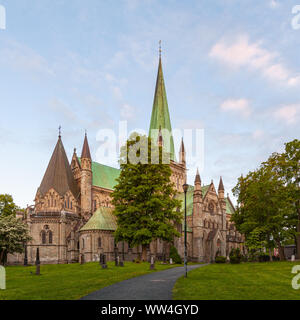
<point x="58" y="174"/>
<point x="160" y="117"/>
<point x="221" y="186"/>
<point x="86" y="149"/>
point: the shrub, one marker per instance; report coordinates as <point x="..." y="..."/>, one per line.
<point x="220" y="259"/>
<point x="175" y="255"/>
<point x="264" y="258"/>
<point x="275" y="258"/>
<point x="235" y="256"/>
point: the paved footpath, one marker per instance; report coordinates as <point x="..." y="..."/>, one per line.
<point x="152" y="286"/>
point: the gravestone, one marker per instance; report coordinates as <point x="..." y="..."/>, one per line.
<point x="37" y="262"/>
<point x="293" y="257"/>
<point x="82" y="259"/>
<point x="152" y="263"/>
<point x="171" y="261"/>
<point x="103" y="262"/>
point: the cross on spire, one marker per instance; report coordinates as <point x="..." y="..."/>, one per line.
<point x="59" y="131"/>
<point x="159" y="48"/>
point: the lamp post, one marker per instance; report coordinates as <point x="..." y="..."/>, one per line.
<point x="185" y="188"/>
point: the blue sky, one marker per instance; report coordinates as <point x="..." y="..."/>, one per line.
<point x="231" y="67"/>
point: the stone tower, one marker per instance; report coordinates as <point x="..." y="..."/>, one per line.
<point x="197" y="222"/>
<point x="86" y="180"/>
<point x="222" y="201"/>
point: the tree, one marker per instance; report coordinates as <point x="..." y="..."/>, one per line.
<point x="7" y="205"/>
<point x="265" y="209"/>
<point x="13" y="234"/>
<point x="287" y="165"/>
<point x="144" y="198"/>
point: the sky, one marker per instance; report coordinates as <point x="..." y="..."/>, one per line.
<point x="231" y="68"/>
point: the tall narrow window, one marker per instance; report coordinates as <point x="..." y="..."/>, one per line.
<point x="82" y="243"/>
<point x="43" y="234"/>
<point x="50" y="237"/>
<point x="71" y="205"/>
<point x="99" y="242"/>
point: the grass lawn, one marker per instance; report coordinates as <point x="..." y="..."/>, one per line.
<point x="68" y="281"/>
<point x="252" y="281"/>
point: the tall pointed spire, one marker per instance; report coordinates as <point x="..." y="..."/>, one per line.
<point x="160" y="117"/>
<point x="59" y="174"/>
<point x="197" y="178"/>
<point x="86" y="149"/>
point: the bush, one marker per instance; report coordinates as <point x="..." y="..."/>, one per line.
<point x="175" y="255"/>
<point x="235" y="256"/>
<point x="220" y="259"/>
<point x="264" y="258"/>
<point x="275" y="258"/>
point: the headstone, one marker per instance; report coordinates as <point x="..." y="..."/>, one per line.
<point x="293" y="257"/>
<point x="82" y="259"/>
<point x="25" y="256"/>
<point x="103" y="262"/>
<point x="37" y="262"/>
<point x="116" y="257"/>
<point x="171" y="261"/>
<point x="151" y="263"/>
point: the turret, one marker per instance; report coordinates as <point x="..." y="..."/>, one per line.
<point x="182" y="153"/>
<point x="221" y="189"/>
<point x="197" y="189"/>
<point x="86" y="179"/>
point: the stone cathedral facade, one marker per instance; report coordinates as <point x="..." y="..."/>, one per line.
<point x="72" y="218"/>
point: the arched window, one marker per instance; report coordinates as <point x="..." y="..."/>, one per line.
<point x="50" y="235"/>
<point x="71" y="205"/>
<point x="78" y="245"/>
<point x="43" y="235"/>
<point x="99" y="242"/>
<point x="82" y="243"/>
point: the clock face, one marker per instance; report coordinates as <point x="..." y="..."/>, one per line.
<point x="211" y="207"/>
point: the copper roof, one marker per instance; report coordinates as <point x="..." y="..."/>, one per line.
<point x="58" y="174"/>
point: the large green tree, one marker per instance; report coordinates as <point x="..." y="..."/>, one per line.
<point x="265" y="212"/>
<point x="144" y="197"/>
<point x="287" y="166"/>
<point x="13" y="235"/>
<point x="7" y="205"/>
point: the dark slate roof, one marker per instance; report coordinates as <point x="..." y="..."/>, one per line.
<point x="58" y="174"/>
<point x="86" y="149"/>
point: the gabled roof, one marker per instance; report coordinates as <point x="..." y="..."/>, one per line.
<point x="160" y="117"/>
<point x="102" y="219"/>
<point x="104" y="176"/>
<point x="59" y="175"/>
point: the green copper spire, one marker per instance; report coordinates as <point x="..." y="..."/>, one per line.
<point x="160" y="118"/>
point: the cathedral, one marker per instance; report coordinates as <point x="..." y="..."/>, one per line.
<point x="72" y="219"/>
